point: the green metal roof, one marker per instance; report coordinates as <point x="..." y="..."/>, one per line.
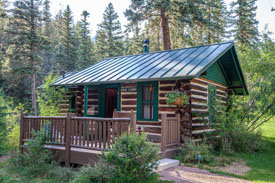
<point x="186" y="63"/>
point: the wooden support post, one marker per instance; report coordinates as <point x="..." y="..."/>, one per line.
<point x="68" y="140"/>
<point x="21" y="131"/>
<point x="133" y="121"/>
<point x="163" y="132"/>
<point x="178" y="129"/>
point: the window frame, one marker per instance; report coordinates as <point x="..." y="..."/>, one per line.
<point x="71" y="102"/>
<point x="155" y="100"/>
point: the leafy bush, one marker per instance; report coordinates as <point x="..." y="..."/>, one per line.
<point x="177" y="98"/>
<point x="49" y="98"/>
<point x="35" y="160"/>
<point x="189" y="151"/>
<point x="100" y="172"/>
<point x="131" y="159"/>
<point x="233" y="133"/>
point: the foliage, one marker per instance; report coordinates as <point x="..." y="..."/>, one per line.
<point x="100" y="172"/>
<point x="49" y="98"/>
<point x="243" y="19"/>
<point x="67" y="55"/>
<point x="35" y="160"/>
<point x="174" y="96"/>
<point x="85" y="58"/>
<point x="109" y="36"/>
<point x="132" y="158"/>
<point x="230" y="132"/>
<point x="3" y="124"/>
<point x="189" y="151"/>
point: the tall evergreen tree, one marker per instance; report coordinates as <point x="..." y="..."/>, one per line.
<point x="47" y="65"/>
<point x="244" y="21"/>
<point x="68" y="52"/>
<point x="178" y="15"/>
<point x="85" y="57"/>
<point x="24" y="43"/>
<point x="3" y="36"/>
<point x="109" y="36"/>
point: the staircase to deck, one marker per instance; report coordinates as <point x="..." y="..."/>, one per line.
<point x="165" y="134"/>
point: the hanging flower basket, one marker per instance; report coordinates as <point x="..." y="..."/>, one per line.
<point x="177" y="98"/>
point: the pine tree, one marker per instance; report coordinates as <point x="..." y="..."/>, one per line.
<point x="47" y="64"/>
<point x="24" y="43"/>
<point x="85" y="57"/>
<point x="244" y="21"/>
<point x="109" y="36"/>
<point x="3" y="36"/>
<point x="180" y="16"/>
<point x="68" y="51"/>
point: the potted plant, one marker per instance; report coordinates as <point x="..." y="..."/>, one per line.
<point x="177" y="98"/>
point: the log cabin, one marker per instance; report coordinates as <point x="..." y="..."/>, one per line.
<point x="140" y="83"/>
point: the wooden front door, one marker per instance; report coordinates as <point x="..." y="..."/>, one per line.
<point x="111" y="101"/>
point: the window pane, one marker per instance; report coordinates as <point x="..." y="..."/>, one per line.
<point x="92" y="106"/>
<point x="147" y="92"/>
<point x="147" y="110"/>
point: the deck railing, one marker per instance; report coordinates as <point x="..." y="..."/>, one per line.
<point x="170" y="131"/>
<point x="80" y="132"/>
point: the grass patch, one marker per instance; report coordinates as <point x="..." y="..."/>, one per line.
<point x="262" y="163"/>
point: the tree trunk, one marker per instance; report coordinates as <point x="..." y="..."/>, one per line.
<point x="166" y="43"/>
<point x="32" y="60"/>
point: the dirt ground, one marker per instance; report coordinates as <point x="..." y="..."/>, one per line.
<point x="182" y="174"/>
<point x="3" y="158"/>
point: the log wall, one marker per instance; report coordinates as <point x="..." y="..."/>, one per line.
<point x="129" y="97"/>
<point x="199" y="103"/>
<point x="66" y="102"/>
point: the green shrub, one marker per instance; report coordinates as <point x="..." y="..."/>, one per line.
<point x="189" y="151"/>
<point x="100" y="172"/>
<point x="35" y="161"/>
<point x="12" y="144"/>
<point x="131" y="159"/>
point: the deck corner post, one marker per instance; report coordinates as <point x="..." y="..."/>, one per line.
<point x="21" y="131"/>
<point x="163" y="132"/>
<point x="133" y="121"/>
<point x="178" y="129"/>
<point x="68" y="139"/>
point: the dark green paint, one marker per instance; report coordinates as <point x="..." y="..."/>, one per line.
<point x="215" y="73"/>
<point x="155" y="100"/>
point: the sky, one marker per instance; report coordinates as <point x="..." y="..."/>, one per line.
<point x="97" y="7"/>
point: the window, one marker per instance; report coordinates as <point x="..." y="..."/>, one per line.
<point x="212" y="93"/>
<point x="72" y="106"/>
<point x="147" y="101"/>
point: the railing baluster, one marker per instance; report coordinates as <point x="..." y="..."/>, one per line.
<point x="104" y="134"/>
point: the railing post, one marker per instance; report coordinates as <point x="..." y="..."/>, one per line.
<point x="163" y="131"/>
<point x="133" y="122"/>
<point x="21" y="131"/>
<point x="178" y="129"/>
<point x="68" y="139"/>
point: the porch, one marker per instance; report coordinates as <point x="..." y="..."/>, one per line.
<point x="80" y="140"/>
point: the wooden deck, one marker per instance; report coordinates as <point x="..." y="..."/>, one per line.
<point x="80" y="140"/>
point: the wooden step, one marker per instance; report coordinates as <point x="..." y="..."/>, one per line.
<point x="152" y="128"/>
<point x="153" y="137"/>
<point x="153" y="123"/>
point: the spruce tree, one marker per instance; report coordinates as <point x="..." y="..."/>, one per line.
<point x="180" y="16"/>
<point x="24" y="43"/>
<point x="85" y="57"/>
<point x="109" y="36"/>
<point x="244" y="22"/>
<point x="47" y="63"/>
<point x="68" y="51"/>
